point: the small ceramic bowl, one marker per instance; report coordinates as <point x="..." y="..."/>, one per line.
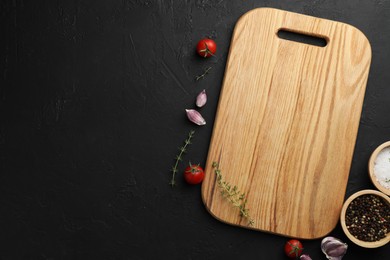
<point x="371" y="165"/>
<point x="358" y="242"/>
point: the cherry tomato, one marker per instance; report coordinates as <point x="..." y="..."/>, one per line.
<point x="293" y="248"/>
<point x="193" y="174"/>
<point x="206" y="47"/>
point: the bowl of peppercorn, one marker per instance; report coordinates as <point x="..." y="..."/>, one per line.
<point x="365" y="218"/>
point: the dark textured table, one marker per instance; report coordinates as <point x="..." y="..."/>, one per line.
<point x="92" y="99"/>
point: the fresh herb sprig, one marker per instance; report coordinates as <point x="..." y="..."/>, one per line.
<point x="233" y="195"/>
<point x="206" y="71"/>
<point x="179" y="157"/>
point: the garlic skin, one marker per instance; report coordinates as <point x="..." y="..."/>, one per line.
<point x="201" y="99"/>
<point x="195" y="117"/>
<point x="333" y="248"/>
<point x="305" y="257"/>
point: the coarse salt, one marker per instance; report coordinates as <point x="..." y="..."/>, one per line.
<point x="382" y="167"/>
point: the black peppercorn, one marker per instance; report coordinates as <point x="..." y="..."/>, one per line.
<point x="368" y="218"/>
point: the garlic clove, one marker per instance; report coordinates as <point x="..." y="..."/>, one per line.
<point x="333" y="248"/>
<point x="195" y="117"/>
<point x="305" y="257"/>
<point x="201" y="99"/>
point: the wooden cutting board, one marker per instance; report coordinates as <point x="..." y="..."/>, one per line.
<point x="287" y="122"/>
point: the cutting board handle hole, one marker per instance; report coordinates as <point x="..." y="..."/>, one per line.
<point x="302" y="38"/>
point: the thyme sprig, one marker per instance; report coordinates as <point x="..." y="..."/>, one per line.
<point x="179" y="157"/>
<point x="233" y="195"/>
<point x="206" y="71"/>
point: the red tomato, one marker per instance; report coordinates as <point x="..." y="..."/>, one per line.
<point x="206" y="47"/>
<point x="293" y="248"/>
<point x="193" y="174"/>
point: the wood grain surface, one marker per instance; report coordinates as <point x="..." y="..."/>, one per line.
<point x="287" y="122"/>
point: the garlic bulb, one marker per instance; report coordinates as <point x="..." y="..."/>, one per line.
<point x="333" y="248"/>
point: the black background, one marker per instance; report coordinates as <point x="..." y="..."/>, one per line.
<point x="92" y="99"/>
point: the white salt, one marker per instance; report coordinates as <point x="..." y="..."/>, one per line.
<point x="382" y="167"/>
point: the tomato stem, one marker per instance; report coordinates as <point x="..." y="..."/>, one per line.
<point x="206" y="51"/>
<point x="295" y="250"/>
